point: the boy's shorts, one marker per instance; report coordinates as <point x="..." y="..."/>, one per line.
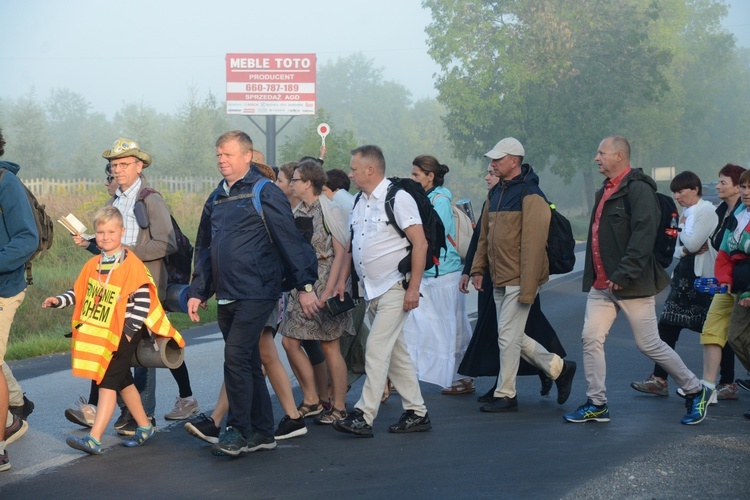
<point x="119" y="374"/>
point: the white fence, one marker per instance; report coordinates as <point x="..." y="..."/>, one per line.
<point x="41" y="187"/>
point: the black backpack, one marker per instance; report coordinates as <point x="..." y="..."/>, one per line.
<point x="434" y="230"/>
<point x="666" y="237"/>
<point x="179" y="264"/>
<point x="561" y="246"/>
<point x="44" y="227"/>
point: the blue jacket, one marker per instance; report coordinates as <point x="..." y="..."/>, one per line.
<point x="234" y="257"/>
<point x="450" y="261"/>
<point x="19" y="238"/>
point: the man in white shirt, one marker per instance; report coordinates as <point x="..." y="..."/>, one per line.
<point x="377" y="249"/>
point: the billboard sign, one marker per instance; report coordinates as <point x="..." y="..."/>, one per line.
<point x="270" y="84"/>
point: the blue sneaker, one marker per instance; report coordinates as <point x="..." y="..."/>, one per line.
<point x="588" y="412"/>
<point x="86" y="443"/>
<point x="696" y="405"/>
<point x="142" y="434"/>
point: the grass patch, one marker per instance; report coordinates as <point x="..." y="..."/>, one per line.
<point x="37" y="331"/>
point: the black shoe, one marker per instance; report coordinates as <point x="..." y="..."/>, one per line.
<point x="123" y="419"/>
<point x="546" y="384"/>
<point x="744" y="383"/>
<point x="411" y="422"/>
<point x="354" y="423"/>
<point x="500" y="405"/>
<point x="130" y="427"/>
<point x="258" y="442"/>
<point x="231" y="443"/>
<point x="204" y="428"/>
<point x="487" y="397"/>
<point x="23" y="411"/>
<point x="290" y="427"/>
<point x="564" y="381"/>
<point x="15" y="430"/>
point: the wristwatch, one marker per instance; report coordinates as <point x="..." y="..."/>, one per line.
<point x="307" y="288"/>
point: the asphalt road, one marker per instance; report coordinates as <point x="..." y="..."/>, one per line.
<point x="644" y="452"/>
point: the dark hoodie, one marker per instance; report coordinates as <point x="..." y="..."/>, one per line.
<point x="19" y="238"/>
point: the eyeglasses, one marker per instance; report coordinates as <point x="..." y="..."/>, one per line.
<point x="296" y="180"/>
<point x="121" y="166"/>
<point x="110" y="179"/>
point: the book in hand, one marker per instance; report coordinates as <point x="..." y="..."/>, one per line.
<point x="74" y="226"/>
<point x="337" y="306"/>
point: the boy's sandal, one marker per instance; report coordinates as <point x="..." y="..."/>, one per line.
<point x="309" y="410"/>
<point x="463" y="386"/>
<point x="87" y="444"/>
<point x="386" y="395"/>
<point x="330" y="416"/>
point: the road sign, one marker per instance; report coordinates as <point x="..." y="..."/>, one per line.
<point x="271" y="84"/>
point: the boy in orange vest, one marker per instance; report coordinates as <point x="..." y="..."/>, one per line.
<point x="115" y="304"/>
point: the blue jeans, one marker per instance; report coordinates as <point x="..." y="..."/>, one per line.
<point x="145" y="382"/>
<point x="241" y="323"/>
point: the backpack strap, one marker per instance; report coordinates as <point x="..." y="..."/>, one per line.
<point x="254" y="196"/>
<point x="390" y="199"/>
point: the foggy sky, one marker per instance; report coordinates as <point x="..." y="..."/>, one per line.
<point x="152" y="51"/>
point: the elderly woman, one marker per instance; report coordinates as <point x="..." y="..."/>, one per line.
<point x="438" y="331"/>
<point x="685" y="307"/>
<point x="329" y="239"/>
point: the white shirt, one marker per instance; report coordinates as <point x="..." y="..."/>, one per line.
<point x="125" y="201"/>
<point x="377" y="248"/>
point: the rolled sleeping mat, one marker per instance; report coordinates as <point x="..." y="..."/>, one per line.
<point x="177" y="298"/>
<point x="159" y="352"/>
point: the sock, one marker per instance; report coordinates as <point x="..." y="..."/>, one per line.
<point x="8" y="419"/>
<point x="2" y="447"/>
<point x="709" y="385"/>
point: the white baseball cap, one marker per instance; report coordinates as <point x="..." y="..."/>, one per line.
<point x="508" y="146"/>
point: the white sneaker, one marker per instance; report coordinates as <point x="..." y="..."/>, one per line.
<point x="183" y="408"/>
<point x="84" y="415"/>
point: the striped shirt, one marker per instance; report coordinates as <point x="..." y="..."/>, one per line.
<point x="125" y="202"/>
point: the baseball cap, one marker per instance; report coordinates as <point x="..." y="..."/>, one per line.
<point x="508" y="146"/>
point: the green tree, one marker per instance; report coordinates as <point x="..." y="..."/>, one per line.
<point x="27" y="138"/>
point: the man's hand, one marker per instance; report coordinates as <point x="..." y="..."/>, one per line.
<point x="477" y="280"/>
<point x="192" y="308"/>
<point x="463" y="285"/>
<point x="411" y="299"/>
<point x="613" y="286"/>
<point x="309" y="303"/>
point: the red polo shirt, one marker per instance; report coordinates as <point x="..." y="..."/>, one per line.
<point x="600" y="282"/>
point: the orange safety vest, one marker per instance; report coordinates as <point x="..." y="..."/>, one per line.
<point x="97" y="324"/>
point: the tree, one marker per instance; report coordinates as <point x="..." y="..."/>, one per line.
<point x="560" y="75"/>
<point x="27" y="139"/>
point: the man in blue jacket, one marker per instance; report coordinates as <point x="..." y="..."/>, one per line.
<point x="19" y="240"/>
<point x="238" y="258"/>
<point x="622" y="274"/>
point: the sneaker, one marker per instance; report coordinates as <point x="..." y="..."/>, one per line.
<point x="696" y="405"/>
<point x="258" y="442"/>
<point x="140" y="436"/>
<point x="184" y="408"/>
<point x="500" y="405"/>
<point x="354" y="423"/>
<point x="230" y="443"/>
<point x="743" y="383"/>
<point x="23" y="411"/>
<point x="588" y="412"/>
<point x="489" y="396"/>
<point x="713" y="401"/>
<point x="87" y="444"/>
<point x="204" y="428"/>
<point x="15" y="430"/>
<point x="290" y="427"/>
<point x="564" y="381"/>
<point x="84" y="415"/>
<point x="727" y="392"/>
<point x="131" y="426"/>
<point x="4" y="461"/>
<point x="411" y="422"/>
<point x="652" y="385"/>
<point x="124" y="418"/>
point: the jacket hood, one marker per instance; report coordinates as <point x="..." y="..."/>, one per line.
<point x="442" y="190"/>
<point x="10" y="166"/>
<point x="527" y="175"/>
<point x="638" y="175"/>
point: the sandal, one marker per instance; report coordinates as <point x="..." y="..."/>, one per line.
<point x="463" y="386"/>
<point x="330" y="416"/>
<point x="306" y="410"/>
<point x="386" y="394"/>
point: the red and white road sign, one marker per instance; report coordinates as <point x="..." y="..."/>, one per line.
<point x="271" y="84"/>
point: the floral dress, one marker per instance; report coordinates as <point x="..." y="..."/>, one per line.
<point x="323" y="326"/>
